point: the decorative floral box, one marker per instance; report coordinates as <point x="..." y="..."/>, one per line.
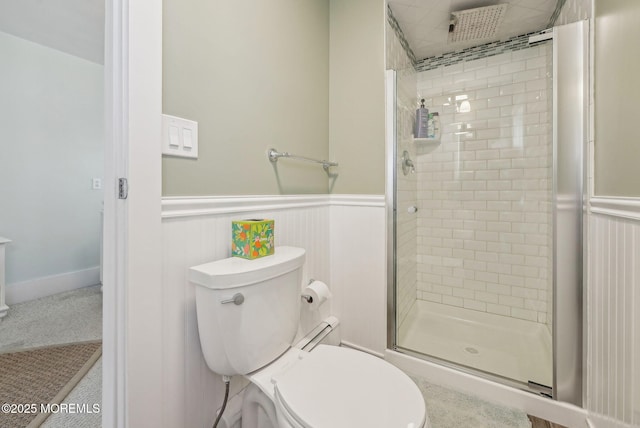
<point x="252" y="238"/>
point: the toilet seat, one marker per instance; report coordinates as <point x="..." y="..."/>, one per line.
<point x="335" y="387"/>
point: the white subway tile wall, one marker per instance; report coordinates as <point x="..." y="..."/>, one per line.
<point x="406" y="219"/>
<point x="484" y="195"/>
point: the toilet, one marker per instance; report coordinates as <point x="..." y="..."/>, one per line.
<point x="248" y="314"/>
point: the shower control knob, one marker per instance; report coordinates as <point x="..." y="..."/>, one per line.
<point x="412" y="209"/>
<point x="237" y="299"/>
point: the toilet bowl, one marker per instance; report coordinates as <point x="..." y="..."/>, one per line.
<point x="336" y="387"/>
<point x="248" y="314"/>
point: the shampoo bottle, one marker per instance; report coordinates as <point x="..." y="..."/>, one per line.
<point x="434" y="125"/>
<point x="422" y="121"/>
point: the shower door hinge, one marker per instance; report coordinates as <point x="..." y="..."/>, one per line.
<point x="123" y="188"/>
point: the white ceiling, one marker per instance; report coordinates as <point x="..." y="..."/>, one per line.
<point x="72" y="26"/>
<point x="425" y="23"/>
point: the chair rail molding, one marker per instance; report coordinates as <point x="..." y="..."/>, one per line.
<point x="184" y="206"/>
<point x="616" y="207"/>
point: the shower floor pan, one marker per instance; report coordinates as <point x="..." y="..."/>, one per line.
<point x="516" y="349"/>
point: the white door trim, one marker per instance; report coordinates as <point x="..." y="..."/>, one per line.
<point x="132" y="366"/>
<point x="113" y="355"/>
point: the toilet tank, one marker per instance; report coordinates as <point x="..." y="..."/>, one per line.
<point x="241" y="334"/>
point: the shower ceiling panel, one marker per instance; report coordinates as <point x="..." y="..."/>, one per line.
<point x="425" y="23"/>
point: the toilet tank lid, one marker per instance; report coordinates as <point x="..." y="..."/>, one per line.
<point x="237" y="272"/>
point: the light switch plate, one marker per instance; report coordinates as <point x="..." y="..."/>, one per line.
<point x="174" y="131"/>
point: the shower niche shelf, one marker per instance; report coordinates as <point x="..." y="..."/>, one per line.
<point x="427" y="145"/>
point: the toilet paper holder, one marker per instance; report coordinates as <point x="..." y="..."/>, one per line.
<point x="306" y="297"/>
<point x="315" y="294"/>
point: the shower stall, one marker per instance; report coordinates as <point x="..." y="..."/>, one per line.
<point x="485" y="217"/>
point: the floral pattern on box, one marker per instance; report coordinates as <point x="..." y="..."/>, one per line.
<point x="252" y="238"/>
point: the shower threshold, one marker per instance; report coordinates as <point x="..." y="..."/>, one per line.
<point x="506" y="347"/>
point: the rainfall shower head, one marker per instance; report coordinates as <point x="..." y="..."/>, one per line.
<point x="480" y="23"/>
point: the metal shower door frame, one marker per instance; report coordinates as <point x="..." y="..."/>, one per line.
<point x="570" y="139"/>
<point x="390" y="201"/>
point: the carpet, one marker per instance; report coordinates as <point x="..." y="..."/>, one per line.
<point x="41" y="376"/>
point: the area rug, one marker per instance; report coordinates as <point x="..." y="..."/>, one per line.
<point x="41" y="376"/>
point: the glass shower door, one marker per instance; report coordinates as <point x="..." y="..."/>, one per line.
<point x="473" y="215"/>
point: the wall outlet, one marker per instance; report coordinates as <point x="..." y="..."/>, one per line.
<point x="96" y="183"/>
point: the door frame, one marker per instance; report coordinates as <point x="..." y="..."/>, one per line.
<point x="132" y="365"/>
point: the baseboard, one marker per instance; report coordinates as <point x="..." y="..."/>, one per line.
<point x="42" y="287"/>
<point x="561" y="413"/>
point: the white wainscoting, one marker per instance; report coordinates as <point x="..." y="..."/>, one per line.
<point x="198" y="230"/>
<point x="613" y="313"/>
<point x="358" y="270"/>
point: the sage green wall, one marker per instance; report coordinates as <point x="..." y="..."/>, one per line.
<point x="356" y="106"/>
<point x="617" y="93"/>
<point x="254" y="74"/>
